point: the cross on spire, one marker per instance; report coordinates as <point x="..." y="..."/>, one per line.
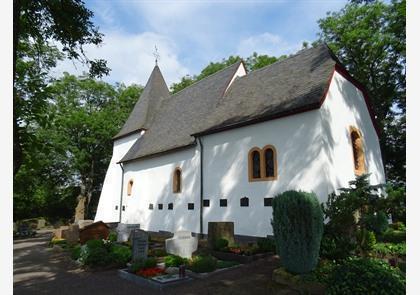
<point x="156" y="55"/>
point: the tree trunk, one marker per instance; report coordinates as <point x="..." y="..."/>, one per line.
<point x="84" y="198"/>
<point x="80" y="211"/>
<point x="17" y="148"/>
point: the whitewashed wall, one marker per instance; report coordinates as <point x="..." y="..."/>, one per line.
<point x="345" y="106"/>
<point x="111" y="188"/>
<point x="153" y="185"/>
<point x="300" y="165"/>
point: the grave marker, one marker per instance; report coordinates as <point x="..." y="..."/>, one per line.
<point x="140" y="244"/>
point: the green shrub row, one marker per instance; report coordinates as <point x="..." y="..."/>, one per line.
<point x="365" y="276"/>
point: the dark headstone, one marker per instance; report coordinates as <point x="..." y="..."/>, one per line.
<point x="140" y="243"/>
<point x="218" y="230"/>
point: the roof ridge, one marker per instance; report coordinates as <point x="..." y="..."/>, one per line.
<point x="289" y="57"/>
<point x="206" y="78"/>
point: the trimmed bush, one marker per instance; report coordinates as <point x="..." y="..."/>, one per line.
<point x="221" y="244"/>
<point x="94" y="256"/>
<point x="298" y="226"/>
<point x="389" y="249"/>
<point x="398" y="226"/>
<point x="174" y="260"/>
<point x="266" y="245"/>
<point x="393" y="236"/>
<point x="120" y="254"/>
<point x="366" y="276"/>
<point x="200" y="264"/>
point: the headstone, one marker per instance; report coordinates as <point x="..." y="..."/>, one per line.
<point x="58" y="233"/>
<point x="40" y="223"/>
<point x="83" y="223"/>
<point x="182" y="244"/>
<point x="218" y="230"/>
<point x="71" y="234"/>
<point x="97" y="230"/>
<point x="15" y="227"/>
<point x="140" y="244"/>
<point x="124" y="230"/>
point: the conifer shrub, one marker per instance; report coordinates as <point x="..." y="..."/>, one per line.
<point x="297" y="226"/>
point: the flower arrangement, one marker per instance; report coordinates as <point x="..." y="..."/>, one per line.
<point x="150" y="272"/>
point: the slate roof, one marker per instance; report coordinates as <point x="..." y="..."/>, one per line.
<point x="294" y="84"/>
<point x="181" y="115"/>
<point x="147" y="106"/>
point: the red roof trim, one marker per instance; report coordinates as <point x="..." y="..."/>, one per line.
<point x="342" y="71"/>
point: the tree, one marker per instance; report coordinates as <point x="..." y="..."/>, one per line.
<point x="37" y="27"/>
<point x="253" y="62"/>
<point x="70" y="165"/>
<point x="369" y="39"/>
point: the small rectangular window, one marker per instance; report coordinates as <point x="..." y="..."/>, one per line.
<point x="244" y="202"/>
<point x="268" y="202"/>
<point x="223" y="202"/>
<point x="150" y="206"/>
<point x="170" y="206"/>
<point x="206" y="203"/>
<point x="190" y="206"/>
<point x="160" y="206"/>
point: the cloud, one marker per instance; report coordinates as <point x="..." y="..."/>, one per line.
<point x="131" y="59"/>
<point x="266" y="43"/>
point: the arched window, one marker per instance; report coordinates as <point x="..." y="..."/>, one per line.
<point x="177" y="180"/>
<point x="262" y="164"/>
<point x="130" y="187"/>
<point x="254" y="164"/>
<point x="270" y="162"/>
<point x="358" y="152"/>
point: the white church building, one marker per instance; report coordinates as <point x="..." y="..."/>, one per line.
<point x="222" y="148"/>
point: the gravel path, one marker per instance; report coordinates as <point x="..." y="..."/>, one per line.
<point x="38" y="269"/>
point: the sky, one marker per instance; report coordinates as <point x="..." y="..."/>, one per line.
<point x="191" y="34"/>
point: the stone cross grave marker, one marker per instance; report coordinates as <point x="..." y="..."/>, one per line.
<point x="140" y="243"/>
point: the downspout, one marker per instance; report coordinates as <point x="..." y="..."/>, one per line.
<point x="201" y="187"/>
<point x="122" y="189"/>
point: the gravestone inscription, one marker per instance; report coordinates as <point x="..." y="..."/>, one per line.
<point x="140" y="243"/>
